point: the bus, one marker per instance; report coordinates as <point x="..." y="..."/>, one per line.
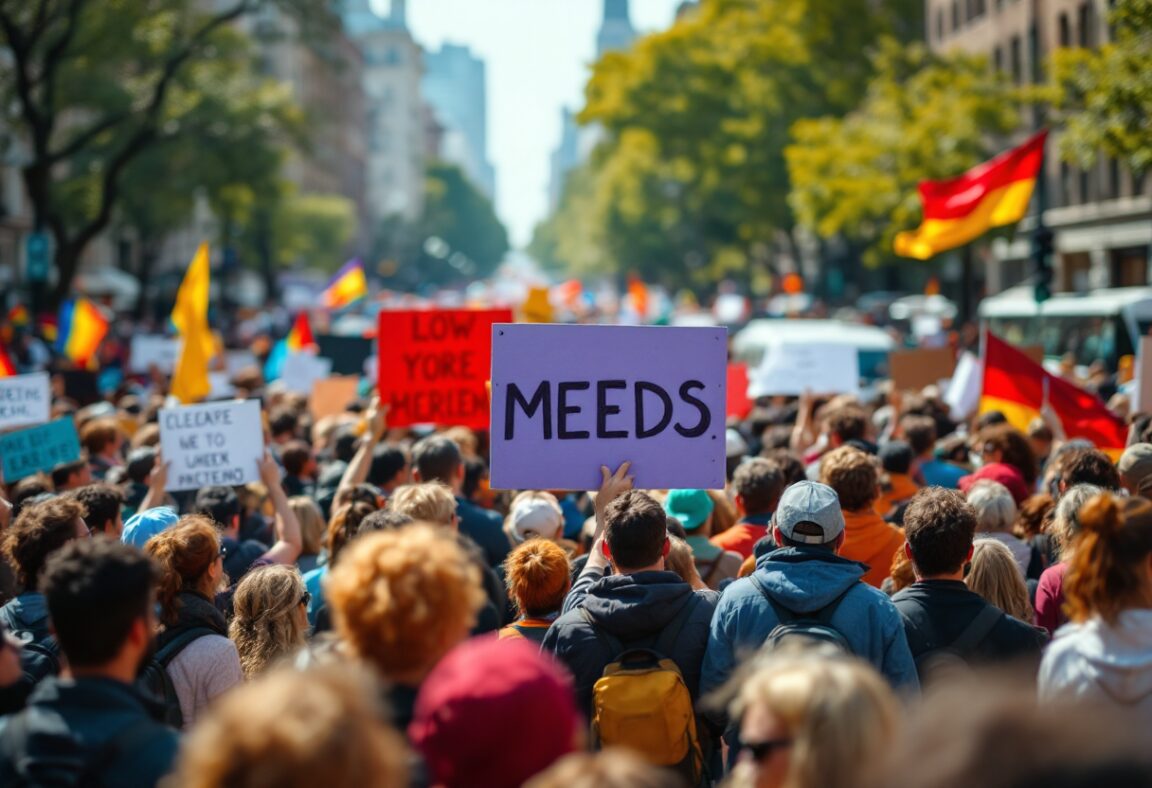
<point x="1097" y="325"/>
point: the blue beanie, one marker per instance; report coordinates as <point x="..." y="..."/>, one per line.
<point x="143" y="526"/>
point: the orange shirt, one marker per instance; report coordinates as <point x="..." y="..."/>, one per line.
<point x="902" y="487"/>
<point x="870" y="540"/>
<point x="740" y="538"/>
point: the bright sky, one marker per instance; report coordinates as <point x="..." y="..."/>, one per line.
<point x="538" y="54"/>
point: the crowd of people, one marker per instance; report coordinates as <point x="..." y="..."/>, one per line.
<point x="880" y="596"/>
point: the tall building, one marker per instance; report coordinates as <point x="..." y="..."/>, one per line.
<point x="1102" y="216"/>
<point x="396" y="122"/>
<point x="455" y="86"/>
<point x="616" y="34"/>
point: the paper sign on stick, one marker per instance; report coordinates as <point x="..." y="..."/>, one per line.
<point x="912" y="370"/>
<point x="148" y="350"/>
<point x="331" y="396"/>
<point x="568" y="399"/>
<point x="432" y="365"/>
<point x="215" y="444"/>
<point x="301" y="371"/>
<point x="791" y="369"/>
<point x="36" y="449"/>
<point x="24" y="400"/>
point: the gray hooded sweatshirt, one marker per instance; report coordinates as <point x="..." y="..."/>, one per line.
<point x="1102" y="663"/>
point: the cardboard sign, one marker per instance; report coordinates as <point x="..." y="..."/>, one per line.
<point x="36" y="449"/>
<point x="791" y="369"/>
<point x="215" y="444"/>
<point x="330" y="397"/>
<point x="912" y="370"/>
<point x="432" y="365"/>
<point x="567" y="399"/>
<point x="153" y="350"/>
<point x="739" y="405"/>
<point x="24" y="400"/>
<point x="301" y="371"/>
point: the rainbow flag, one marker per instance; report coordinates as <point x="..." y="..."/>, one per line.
<point x="346" y="288"/>
<point x="19" y="317"/>
<point x="300" y="337"/>
<point x="961" y="209"/>
<point x="81" y="329"/>
<point x="7" y="368"/>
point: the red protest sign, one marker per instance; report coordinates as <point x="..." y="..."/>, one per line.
<point x="739" y="406"/>
<point x="432" y="365"/>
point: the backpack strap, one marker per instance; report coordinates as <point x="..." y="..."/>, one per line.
<point x="184" y="638"/>
<point x="974" y="634"/>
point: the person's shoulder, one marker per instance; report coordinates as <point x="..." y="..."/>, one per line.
<point x="1020" y="634"/>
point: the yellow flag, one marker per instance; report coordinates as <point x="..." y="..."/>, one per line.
<point x="190" y="316"/>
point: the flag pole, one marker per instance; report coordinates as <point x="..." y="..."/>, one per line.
<point x="967" y="283"/>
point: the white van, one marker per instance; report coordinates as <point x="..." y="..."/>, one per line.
<point x="873" y="344"/>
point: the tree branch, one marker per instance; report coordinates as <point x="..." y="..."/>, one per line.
<point x="78" y="142"/>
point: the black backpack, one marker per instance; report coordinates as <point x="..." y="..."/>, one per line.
<point x="39" y="659"/>
<point x="89" y="769"/>
<point x="814" y="627"/>
<point x="956" y="655"/>
<point x="154" y="680"/>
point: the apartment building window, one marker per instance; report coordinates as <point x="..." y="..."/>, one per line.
<point x="1113" y="178"/>
<point x="1085" y="189"/>
<point x="998" y="58"/>
<point x="1086" y="23"/>
<point x="955" y="15"/>
<point x="979" y="8"/>
<point x="1065" y="28"/>
<point x="1065" y="196"/>
<point x="939" y="24"/>
<point x="1016" y="59"/>
<point x="1138" y="183"/>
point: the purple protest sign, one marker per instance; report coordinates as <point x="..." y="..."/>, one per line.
<point x="568" y="399"/>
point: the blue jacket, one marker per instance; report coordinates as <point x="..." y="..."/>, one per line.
<point x="805" y="580"/>
<point x="27" y="613"/>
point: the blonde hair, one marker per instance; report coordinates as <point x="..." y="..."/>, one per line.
<point x="995" y="575"/>
<point x="465" y="439"/>
<point x="398" y="598"/>
<point x="1066" y="516"/>
<point x="612" y="768"/>
<point x="681" y="561"/>
<point x="840" y="714"/>
<point x="431" y="502"/>
<point x="723" y="511"/>
<point x="296" y="730"/>
<point x="994" y="505"/>
<point x="267" y="624"/>
<point x="312" y="525"/>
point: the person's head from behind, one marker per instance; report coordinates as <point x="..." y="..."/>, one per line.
<point x="853" y="475"/>
<point x="758" y="484"/>
<point x="296" y="730"/>
<point x="681" y="560"/>
<point x="534" y="514"/>
<point x="283" y="425"/>
<point x="920" y="432"/>
<point x="438" y="459"/>
<point x="1089" y="466"/>
<point x="102" y="504"/>
<point x="994" y="574"/>
<point x="1111" y="569"/>
<point x="402" y="599"/>
<point x="635" y="533"/>
<point x="298" y="459"/>
<point x="1034" y="515"/>
<point x="995" y="508"/>
<point x="611" y="768"/>
<point x="383" y="520"/>
<point x="538" y="577"/>
<point x="939" y="526"/>
<point x="846" y="423"/>
<point x="1135" y="468"/>
<point x="478" y="694"/>
<point x="70" y="475"/>
<point x="1004" y="443"/>
<point x="810" y="721"/>
<point x="790" y="465"/>
<point x="311" y="521"/>
<point x="222" y="505"/>
<point x="809" y="516"/>
<point x="100" y="596"/>
<point x="140" y="464"/>
<point x="190" y="562"/>
<point x="23" y="491"/>
<point x="896" y="457"/>
<point x="430" y="502"/>
<point x="270" y="620"/>
<point x="102" y="438"/>
<point x="390" y="467"/>
<point x="39" y="531"/>
<point x="1066" y="517"/>
<point x="344" y="527"/>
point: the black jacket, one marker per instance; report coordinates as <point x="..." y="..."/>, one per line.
<point x="936" y="613"/>
<point x="96" y="724"/>
<point x="635" y="609"/>
<point x="485" y="528"/>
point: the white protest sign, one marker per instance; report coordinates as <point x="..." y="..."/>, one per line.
<point x="150" y="350"/>
<point x="237" y="361"/>
<point x="220" y="385"/>
<point x="791" y="369"/>
<point x="215" y="444"/>
<point x="963" y="395"/>
<point x="24" y="400"/>
<point x="301" y="371"/>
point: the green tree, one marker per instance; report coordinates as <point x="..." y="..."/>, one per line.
<point x="473" y="240"/>
<point x="310" y="230"/>
<point x="1106" y="94"/>
<point x="923" y="117"/>
<point x="91" y="86"/>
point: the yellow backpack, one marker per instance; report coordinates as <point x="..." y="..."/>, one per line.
<point x="641" y="701"/>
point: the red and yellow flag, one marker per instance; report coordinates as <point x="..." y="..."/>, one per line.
<point x="959" y="210"/>
<point x="348" y="286"/>
<point x="300" y="337"/>
<point x="82" y="327"/>
<point x="7" y="368"/>
<point x="1017" y="386"/>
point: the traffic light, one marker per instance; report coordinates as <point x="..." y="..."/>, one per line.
<point x="1042" y="239"/>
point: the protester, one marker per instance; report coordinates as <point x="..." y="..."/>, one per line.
<point x="1105" y="654"/>
<point x="920" y="432"/>
<point x="296" y="730"/>
<point x="534" y="514"/>
<point x="102" y="504"/>
<point x="758" y="484"/>
<point x="400" y="601"/>
<point x="483" y="690"/>
<point x="867" y="538"/>
<point x="300" y="468"/>
<point x="1135" y="469"/>
<point x="994" y="575"/>
<point x="944" y="619"/>
<point x="681" y="561"/>
<point x="312" y="531"/>
<point x="70" y="475"/>
<point x="995" y="516"/>
<point x="538" y="578"/>
<point x="1003" y="444"/>
<point x="694" y="509"/>
<point x="102" y="439"/>
<point x="617" y="768"/>
<point x="92" y="725"/>
<point x="1066" y="529"/>
<point x="343" y="528"/>
<point x="270" y="618"/>
<point x="896" y="484"/>
<point x="811" y="721"/>
<point x="1089" y="466"/>
<point x="202" y="662"/>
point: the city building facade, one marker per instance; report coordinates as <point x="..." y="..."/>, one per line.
<point x="456" y="88"/>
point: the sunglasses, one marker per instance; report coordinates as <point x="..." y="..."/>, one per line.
<point x="762" y="750"/>
<point x="306" y="600"/>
